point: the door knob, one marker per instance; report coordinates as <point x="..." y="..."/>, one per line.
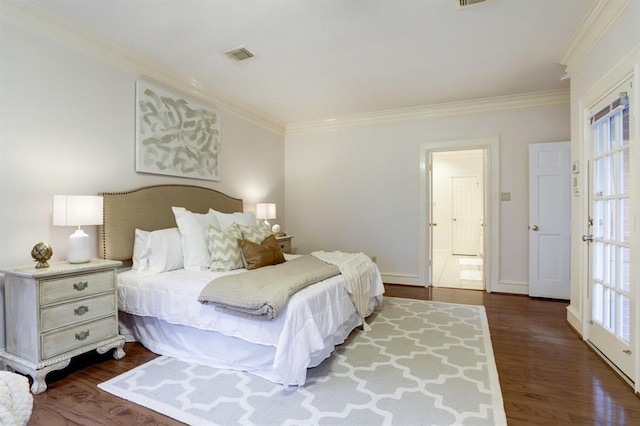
<point x="454" y="219"/>
<point x="434" y="224"/>
<point x="587" y="238"/>
<point x="534" y="228"/>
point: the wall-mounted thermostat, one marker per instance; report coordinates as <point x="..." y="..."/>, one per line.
<point x="575" y="167"/>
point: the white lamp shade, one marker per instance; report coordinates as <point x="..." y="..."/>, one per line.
<point x="77" y="210"/>
<point x="266" y="211"/>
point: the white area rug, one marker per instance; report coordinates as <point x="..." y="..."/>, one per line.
<point x="425" y="363"/>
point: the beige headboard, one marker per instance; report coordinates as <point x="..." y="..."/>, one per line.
<point x="149" y="208"/>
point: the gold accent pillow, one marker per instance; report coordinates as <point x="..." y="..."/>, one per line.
<point x="264" y="254"/>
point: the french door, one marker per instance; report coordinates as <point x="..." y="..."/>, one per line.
<point x="611" y="328"/>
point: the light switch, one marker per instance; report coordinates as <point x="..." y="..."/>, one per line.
<point x="505" y="196"/>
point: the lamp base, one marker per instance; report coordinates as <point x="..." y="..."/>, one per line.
<point x="79" y="249"/>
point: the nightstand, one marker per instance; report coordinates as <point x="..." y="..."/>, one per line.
<point x="285" y="243"/>
<point x="56" y="313"/>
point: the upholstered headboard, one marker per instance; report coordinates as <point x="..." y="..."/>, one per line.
<point x="149" y="209"/>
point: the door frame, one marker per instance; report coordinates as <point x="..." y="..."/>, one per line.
<point x="491" y="237"/>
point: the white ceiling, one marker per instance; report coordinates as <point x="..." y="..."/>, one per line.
<point x="319" y="59"/>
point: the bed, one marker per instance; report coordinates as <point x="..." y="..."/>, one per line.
<point x="161" y="310"/>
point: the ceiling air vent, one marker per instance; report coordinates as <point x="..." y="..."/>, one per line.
<point x="239" y="54"/>
<point x="463" y="3"/>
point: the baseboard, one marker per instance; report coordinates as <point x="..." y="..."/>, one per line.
<point x="574" y="320"/>
<point x="402" y="279"/>
<point x="501" y="287"/>
<point x="510" y="287"/>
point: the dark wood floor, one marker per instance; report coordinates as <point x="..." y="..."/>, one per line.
<point x="547" y="374"/>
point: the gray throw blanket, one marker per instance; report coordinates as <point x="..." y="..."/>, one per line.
<point x="264" y="292"/>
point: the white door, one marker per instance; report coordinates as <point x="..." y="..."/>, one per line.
<point x="432" y="222"/>
<point x="612" y="324"/>
<point x="466" y="215"/>
<point x="550" y="220"/>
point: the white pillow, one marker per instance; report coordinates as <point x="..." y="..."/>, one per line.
<point x="165" y="248"/>
<point x="193" y="232"/>
<point x="140" y="261"/>
<point x="226" y="219"/>
<point x="157" y="251"/>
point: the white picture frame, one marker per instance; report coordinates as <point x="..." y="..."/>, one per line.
<point x="175" y="136"/>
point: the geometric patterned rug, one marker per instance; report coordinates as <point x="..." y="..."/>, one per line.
<point x="422" y="362"/>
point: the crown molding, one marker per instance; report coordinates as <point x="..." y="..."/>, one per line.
<point x="474" y="106"/>
<point x="91" y="43"/>
<point x="599" y="19"/>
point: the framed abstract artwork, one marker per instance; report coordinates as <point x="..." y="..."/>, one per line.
<point x="175" y="135"/>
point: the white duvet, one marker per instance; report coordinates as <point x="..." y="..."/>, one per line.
<point x="314" y="321"/>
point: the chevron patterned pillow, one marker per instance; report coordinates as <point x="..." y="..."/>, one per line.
<point x="255" y="234"/>
<point x="224" y="248"/>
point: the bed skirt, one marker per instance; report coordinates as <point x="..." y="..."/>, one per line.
<point x="213" y="349"/>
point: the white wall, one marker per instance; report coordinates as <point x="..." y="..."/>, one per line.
<point x="357" y="187"/>
<point x="67" y="127"/>
<point x="614" y="57"/>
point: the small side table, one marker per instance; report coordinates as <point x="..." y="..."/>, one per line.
<point x="285" y="243"/>
<point x="56" y="313"/>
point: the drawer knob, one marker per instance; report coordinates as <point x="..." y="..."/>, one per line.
<point x="80" y="285"/>
<point x="82" y="335"/>
<point x="81" y="310"/>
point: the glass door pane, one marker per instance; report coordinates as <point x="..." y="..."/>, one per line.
<point x="613" y="265"/>
<point x="611" y="212"/>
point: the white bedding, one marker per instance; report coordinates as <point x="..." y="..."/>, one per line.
<point x="167" y="318"/>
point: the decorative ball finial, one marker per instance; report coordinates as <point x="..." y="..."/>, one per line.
<point x="41" y="252"/>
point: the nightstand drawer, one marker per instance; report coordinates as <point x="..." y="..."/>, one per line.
<point x="285" y="243"/>
<point x="285" y="246"/>
<point x="56" y="290"/>
<point x="79" y="311"/>
<point x="76" y="337"/>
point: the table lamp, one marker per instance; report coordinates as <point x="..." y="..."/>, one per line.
<point x="77" y="210"/>
<point x="266" y="211"/>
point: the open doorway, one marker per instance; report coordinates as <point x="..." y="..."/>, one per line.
<point x="457" y="226"/>
<point x="490" y="245"/>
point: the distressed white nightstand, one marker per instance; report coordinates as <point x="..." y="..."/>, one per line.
<point x="285" y="243"/>
<point x="56" y="313"/>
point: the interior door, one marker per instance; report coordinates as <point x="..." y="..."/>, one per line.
<point x="431" y="223"/>
<point x="466" y="216"/>
<point x="550" y="220"/>
<point x="612" y="324"/>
